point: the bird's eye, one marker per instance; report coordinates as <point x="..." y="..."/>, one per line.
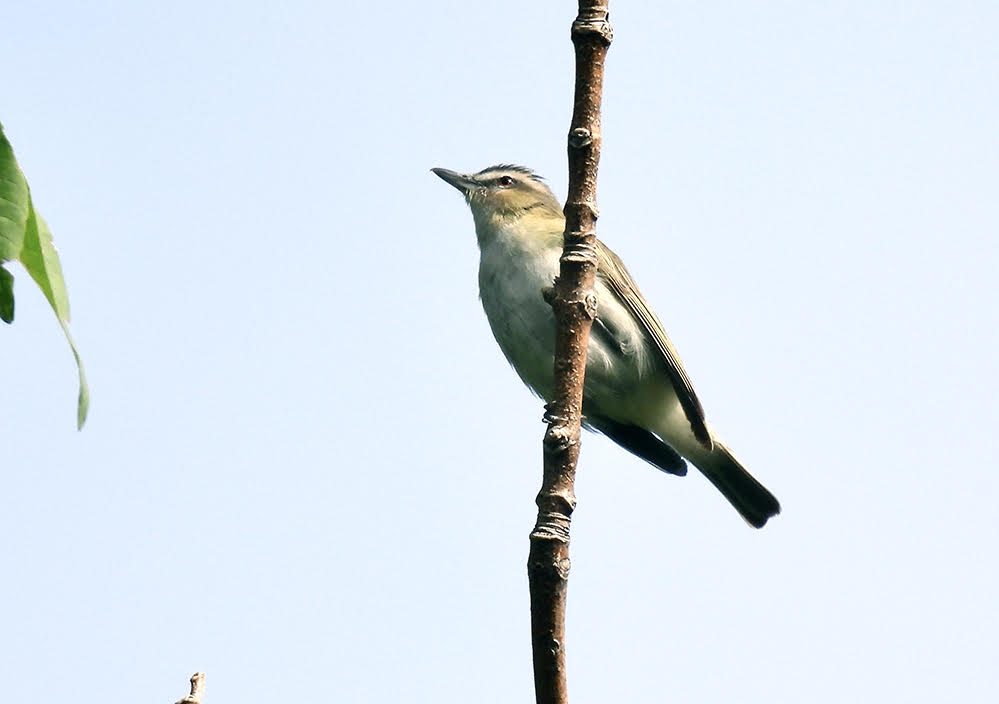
<point x="506" y="181"/>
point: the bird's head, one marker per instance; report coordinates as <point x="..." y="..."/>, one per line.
<point x="503" y="194"/>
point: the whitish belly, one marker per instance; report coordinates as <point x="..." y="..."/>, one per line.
<point x="524" y="326"/>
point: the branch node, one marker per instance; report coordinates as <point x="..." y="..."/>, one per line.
<point x="559" y="438"/>
<point x="580" y="137"/>
<point x="553" y="524"/>
<point x="580" y="248"/>
<point x="596" y="22"/>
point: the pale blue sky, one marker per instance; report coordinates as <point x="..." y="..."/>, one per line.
<point x="308" y="470"/>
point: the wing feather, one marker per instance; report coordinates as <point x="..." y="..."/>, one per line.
<point x="613" y="272"/>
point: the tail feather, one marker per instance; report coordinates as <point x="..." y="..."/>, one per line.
<point x="641" y="442"/>
<point x="750" y="498"/>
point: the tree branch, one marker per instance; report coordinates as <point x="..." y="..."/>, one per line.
<point x="197" y="689"/>
<point x="575" y="307"/>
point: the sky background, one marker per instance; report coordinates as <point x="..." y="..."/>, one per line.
<point x="308" y="470"/>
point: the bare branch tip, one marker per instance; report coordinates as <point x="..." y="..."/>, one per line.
<point x="197" y="689"/>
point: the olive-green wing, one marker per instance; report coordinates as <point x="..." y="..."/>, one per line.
<point x="613" y="272"/>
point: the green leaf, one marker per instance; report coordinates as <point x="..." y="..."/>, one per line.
<point x="25" y="236"/>
<point x="13" y="202"/>
<point x="40" y="258"/>
<point x="6" y="296"/>
<point x="83" y="398"/>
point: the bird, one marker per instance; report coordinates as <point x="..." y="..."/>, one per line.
<point x="636" y="391"/>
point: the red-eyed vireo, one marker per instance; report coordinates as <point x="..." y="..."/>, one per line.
<point x="636" y="390"/>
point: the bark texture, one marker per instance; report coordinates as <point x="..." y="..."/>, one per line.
<point x="575" y="308"/>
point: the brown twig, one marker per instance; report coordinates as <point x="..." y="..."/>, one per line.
<point x="197" y="689"/>
<point x="575" y="309"/>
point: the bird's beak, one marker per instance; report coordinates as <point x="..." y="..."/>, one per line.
<point x="460" y="181"/>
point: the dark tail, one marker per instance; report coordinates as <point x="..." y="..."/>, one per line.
<point x="641" y="442"/>
<point x="750" y="498"/>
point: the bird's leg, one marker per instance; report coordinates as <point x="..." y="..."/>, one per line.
<point x="549" y="417"/>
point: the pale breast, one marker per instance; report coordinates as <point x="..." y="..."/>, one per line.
<point x="511" y="281"/>
<point x="511" y="285"/>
